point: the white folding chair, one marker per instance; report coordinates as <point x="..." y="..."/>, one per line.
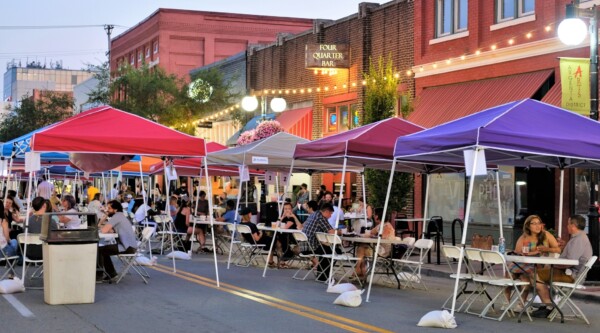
<point x="502" y="279"/>
<point x="452" y="253"/>
<point x="34" y="244"/>
<point x="169" y="236"/>
<point x="129" y="259"/>
<point x="342" y="260"/>
<point x="564" y="290"/>
<point x="410" y="270"/>
<point x="306" y="255"/>
<point x="325" y="253"/>
<point x="10" y="264"/>
<point x="479" y="278"/>
<point x="250" y="252"/>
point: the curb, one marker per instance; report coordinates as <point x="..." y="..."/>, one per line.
<point x="591" y="294"/>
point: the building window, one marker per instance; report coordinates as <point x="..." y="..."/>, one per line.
<point x="451" y="16"/>
<point x="139" y="56"/>
<point x="340" y="118"/>
<point x="147" y="52"/>
<point x="513" y="9"/>
<point x="155" y="47"/>
<point x="131" y="60"/>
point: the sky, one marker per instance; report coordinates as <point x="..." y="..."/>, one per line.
<point x="76" y="47"/>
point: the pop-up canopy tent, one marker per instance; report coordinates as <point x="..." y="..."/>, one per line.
<point x="370" y="146"/>
<point x="274" y="153"/>
<point x="525" y="133"/>
<point x="108" y="131"/>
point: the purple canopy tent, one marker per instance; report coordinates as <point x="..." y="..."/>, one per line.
<point x="525" y="133"/>
<point x="370" y="146"/>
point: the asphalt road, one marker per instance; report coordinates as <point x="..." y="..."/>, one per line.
<point x="247" y="302"/>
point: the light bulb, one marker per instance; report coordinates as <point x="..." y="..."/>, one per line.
<point x="572" y="31"/>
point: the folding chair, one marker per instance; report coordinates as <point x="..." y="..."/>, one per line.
<point x="565" y="290"/>
<point x="129" y="259"/>
<point x="342" y="260"/>
<point x="307" y="254"/>
<point x="33" y="256"/>
<point x="326" y="251"/>
<point x="452" y="253"/>
<point x="169" y="235"/>
<point x="412" y="275"/>
<point x="479" y="278"/>
<point x="502" y="280"/>
<point x="249" y="251"/>
<point x="10" y="264"/>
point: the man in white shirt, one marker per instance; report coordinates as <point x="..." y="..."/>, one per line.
<point x="45" y="188"/>
<point x="337" y="213"/>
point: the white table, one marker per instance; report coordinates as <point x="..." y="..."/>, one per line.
<point x="542" y="261"/>
<point x="275" y="230"/>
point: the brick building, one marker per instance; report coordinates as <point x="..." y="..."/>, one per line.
<point x="472" y="55"/>
<point x="335" y="97"/>
<point x="181" y="40"/>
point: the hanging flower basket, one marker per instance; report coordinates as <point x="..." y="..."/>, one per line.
<point x="267" y="128"/>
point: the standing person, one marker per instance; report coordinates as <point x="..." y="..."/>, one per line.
<point x="117" y="222"/>
<point x="91" y="191"/>
<point x="337" y="212"/>
<point x="114" y="191"/>
<point x="157" y="193"/>
<point x="321" y="193"/>
<point x="202" y="209"/>
<point x="577" y="248"/>
<point x="182" y="190"/>
<point x="318" y="222"/>
<point x="45" y="188"/>
<point x="303" y="194"/>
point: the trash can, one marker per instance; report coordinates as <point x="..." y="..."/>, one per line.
<point x="69" y="263"/>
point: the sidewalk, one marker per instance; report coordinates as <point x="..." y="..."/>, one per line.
<point x="590" y="294"/>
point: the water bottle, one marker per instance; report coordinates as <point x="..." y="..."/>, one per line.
<point x="501" y="245"/>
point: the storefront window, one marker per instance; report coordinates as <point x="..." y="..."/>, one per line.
<point x="582" y="191"/>
<point x="332" y="120"/>
<point x="355" y="115"/>
<point x="344" y="118"/>
<point x="341" y="117"/>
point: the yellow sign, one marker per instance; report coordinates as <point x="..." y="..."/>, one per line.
<point x="575" y="81"/>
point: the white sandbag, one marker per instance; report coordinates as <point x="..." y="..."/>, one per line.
<point x="11" y="286"/>
<point x="340" y="288"/>
<point x="405" y="276"/>
<point x="179" y="255"/>
<point x="145" y="261"/>
<point x="437" y="318"/>
<point x="350" y="298"/>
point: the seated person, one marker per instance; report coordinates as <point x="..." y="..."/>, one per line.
<point x="385" y="250"/>
<point x="95" y="206"/>
<point x="256" y="236"/>
<point x="69" y="221"/>
<point x="288" y="220"/>
<point x="538" y="242"/>
<point x="202" y="207"/>
<point x="183" y="225"/>
<point x="318" y="222"/>
<point x="40" y="207"/>
<point x="8" y="246"/>
<point x="229" y="215"/>
<point x="577" y="248"/>
<point x="117" y="222"/>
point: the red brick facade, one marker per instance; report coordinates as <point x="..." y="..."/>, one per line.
<point x="181" y="40"/>
<point x="375" y="31"/>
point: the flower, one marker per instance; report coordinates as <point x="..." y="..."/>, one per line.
<point x="245" y="138"/>
<point x="267" y="128"/>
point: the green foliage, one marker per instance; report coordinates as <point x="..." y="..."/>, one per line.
<point x="161" y="97"/>
<point x="31" y="115"/>
<point x="223" y="93"/>
<point x="380" y="101"/>
<point x="100" y="94"/>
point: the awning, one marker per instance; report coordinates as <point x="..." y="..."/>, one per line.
<point x="554" y="95"/>
<point x="297" y="122"/>
<point x="437" y="105"/>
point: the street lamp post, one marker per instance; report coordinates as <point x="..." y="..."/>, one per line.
<point x="250" y="103"/>
<point x="572" y="31"/>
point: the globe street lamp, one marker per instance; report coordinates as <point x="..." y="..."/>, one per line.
<point x="250" y="103"/>
<point x="572" y="31"/>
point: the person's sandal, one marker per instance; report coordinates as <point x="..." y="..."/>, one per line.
<point x="272" y="264"/>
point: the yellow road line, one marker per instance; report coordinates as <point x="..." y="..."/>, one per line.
<point x="312" y="313"/>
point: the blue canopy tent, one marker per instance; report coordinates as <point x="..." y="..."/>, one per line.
<point x="525" y="133"/>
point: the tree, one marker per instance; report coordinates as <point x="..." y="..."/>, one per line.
<point x="380" y="101"/>
<point x="34" y="113"/>
<point x="101" y="93"/>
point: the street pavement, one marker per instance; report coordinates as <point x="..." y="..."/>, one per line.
<point x="189" y="300"/>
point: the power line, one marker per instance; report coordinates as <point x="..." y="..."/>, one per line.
<point x="42" y="27"/>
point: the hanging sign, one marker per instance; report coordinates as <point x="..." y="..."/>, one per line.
<point x="480" y="168"/>
<point x="32" y="161"/>
<point x="285" y="178"/>
<point x="327" y="56"/>
<point x="575" y="82"/>
<point x="244" y="173"/>
<point x="270" y="177"/>
<point x="171" y="173"/>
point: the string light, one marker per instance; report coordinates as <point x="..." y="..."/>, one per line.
<point x="493" y="47"/>
<point x="528" y="35"/>
<point x="548" y="28"/>
<point x="511" y="41"/>
<point x="463" y="57"/>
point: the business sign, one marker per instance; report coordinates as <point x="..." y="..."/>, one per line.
<point x="260" y="160"/>
<point x="205" y="124"/>
<point x="327" y="56"/>
<point x="575" y="81"/>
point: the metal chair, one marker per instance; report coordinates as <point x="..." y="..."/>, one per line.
<point x="129" y="260"/>
<point x="412" y="275"/>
